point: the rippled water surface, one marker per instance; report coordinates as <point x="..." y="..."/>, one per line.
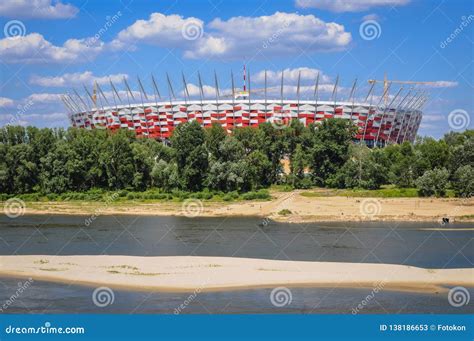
<point x="419" y="244"/>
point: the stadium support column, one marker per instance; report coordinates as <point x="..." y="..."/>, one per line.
<point x="406" y="109"/>
<point x="250" y="103"/>
<point x="157" y="94"/>
<point x="399" y="106"/>
<point x="298" y="95"/>
<point x="416" y="108"/>
<point x="89" y="113"/>
<point x="387" y="88"/>
<point x="130" y="94"/>
<point x="281" y="89"/>
<point x="316" y="95"/>
<point x="413" y="114"/>
<point x="334" y="96"/>
<point x="88" y="99"/>
<point x="101" y="101"/>
<point x="71" y="111"/>
<point x="351" y="96"/>
<point x="216" y="85"/>
<point x="201" y="94"/>
<point x="115" y="93"/>
<point x="417" y="126"/>
<point x="80" y="99"/>
<point x="143" y="94"/>
<point x="370" y="93"/>
<point x="77" y="108"/>
<point x="171" y="95"/>
<point x="233" y="99"/>
<point x="265" y="89"/>
<point x="405" y="112"/>
<point x="88" y="109"/>
<point x="384" y="112"/>
<point x="76" y="104"/>
<point x="186" y="95"/>
<point x="69" y="108"/>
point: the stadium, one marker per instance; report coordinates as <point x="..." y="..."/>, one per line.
<point x="380" y="120"/>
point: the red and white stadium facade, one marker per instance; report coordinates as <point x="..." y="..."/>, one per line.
<point x="377" y="124"/>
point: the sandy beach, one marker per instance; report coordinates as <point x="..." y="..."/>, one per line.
<point x="189" y="273"/>
<point x="302" y="208"/>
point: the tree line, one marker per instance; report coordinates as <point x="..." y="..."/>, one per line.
<point x="34" y="160"/>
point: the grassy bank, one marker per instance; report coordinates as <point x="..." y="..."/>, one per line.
<point x="384" y="192"/>
<point x="123" y="196"/>
<point x="145" y="196"/>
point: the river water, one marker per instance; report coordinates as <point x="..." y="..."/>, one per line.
<point x="427" y="245"/>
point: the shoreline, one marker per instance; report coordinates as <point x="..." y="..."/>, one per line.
<point x="300" y="209"/>
<point x="189" y="273"/>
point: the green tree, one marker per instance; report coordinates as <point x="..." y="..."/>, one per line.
<point x="365" y="169"/>
<point x="298" y="164"/>
<point x="165" y="175"/>
<point x="403" y="170"/>
<point x="215" y="136"/>
<point x="188" y="141"/>
<point x="433" y="182"/>
<point x="116" y="158"/>
<point x="259" y="170"/>
<point x="58" y="169"/>
<point x="463" y="183"/>
<point x="330" y="149"/>
<point x="462" y="155"/>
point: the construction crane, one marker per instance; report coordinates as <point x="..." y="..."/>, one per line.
<point x="386" y="83"/>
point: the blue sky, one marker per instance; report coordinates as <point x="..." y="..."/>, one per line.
<point x="49" y="47"/>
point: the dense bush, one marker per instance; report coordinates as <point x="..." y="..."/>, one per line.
<point x="433" y="182"/>
<point x="463" y="183"/>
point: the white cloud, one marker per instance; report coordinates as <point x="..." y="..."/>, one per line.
<point x="209" y="91"/>
<point x="372" y="16"/>
<point x="47" y="119"/>
<point x="44" y="98"/>
<point x="6" y="102"/>
<point x="443" y="84"/>
<point x="159" y="29"/>
<point x="348" y="5"/>
<point x="75" y="79"/>
<point x="238" y="37"/>
<point x="33" y="48"/>
<point x="277" y="34"/>
<point x="432" y="117"/>
<point x="39" y="109"/>
<point x="290" y="76"/>
<point x="44" y="9"/>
